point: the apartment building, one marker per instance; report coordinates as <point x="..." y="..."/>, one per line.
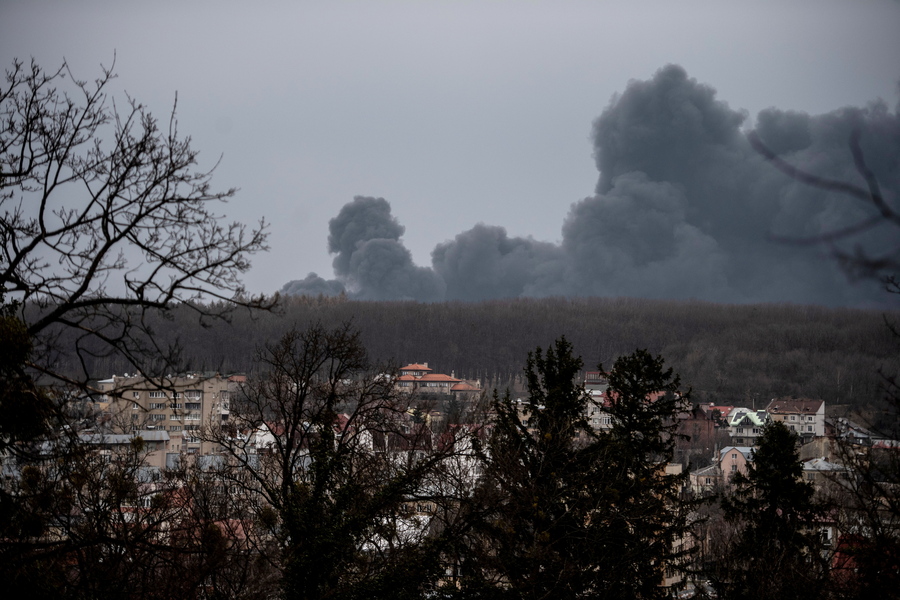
<point x="180" y="405"/>
<point x="803" y="416"/>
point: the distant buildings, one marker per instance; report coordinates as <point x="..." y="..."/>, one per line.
<point x="418" y="377"/>
<point x="181" y="406"/>
<point x="803" y="416"/>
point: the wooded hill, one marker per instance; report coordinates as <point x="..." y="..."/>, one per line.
<point x="741" y="354"/>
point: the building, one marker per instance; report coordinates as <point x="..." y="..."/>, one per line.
<point x="418" y="377"/>
<point x="745" y="425"/>
<point x="803" y="416"/>
<point x="734" y="459"/>
<point x="180" y="405"/>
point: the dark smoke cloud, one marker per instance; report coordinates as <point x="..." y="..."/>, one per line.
<point x="484" y="263"/>
<point x="371" y="262"/>
<point x="683" y="208"/>
<point x="313" y="285"/>
<point x="359" y="221"/>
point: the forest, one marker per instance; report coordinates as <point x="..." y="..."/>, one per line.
<point x="732" y="354"/>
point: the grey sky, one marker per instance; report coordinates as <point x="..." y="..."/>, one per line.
<point x="456" y="113"/>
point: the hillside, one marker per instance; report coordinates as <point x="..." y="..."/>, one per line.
<point x="729" y="353"/>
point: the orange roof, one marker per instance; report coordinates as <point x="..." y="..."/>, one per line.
<point x="464" y="387"/>
<point x="406" y="378"/>
<point x="437" y="377"/>
<point x="415" y="367"/>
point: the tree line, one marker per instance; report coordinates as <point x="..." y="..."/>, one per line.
<point x="728" y="354"/>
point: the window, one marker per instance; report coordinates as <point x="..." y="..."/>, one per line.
<point x="157" y="394"/>
<point x="192" y="417"/>
<point x="174" y="427"/>
<point x="740" y="430"/>
<point x="192" y="394"/>
<point x="809" y="418"/>
<point x="157" y="405"/>
<point x="157" y="417"/>
<point x="135" y="394"/>
<point x="793" y="418"/>
<point x="174" y="417"/>
<point x="176" y="394"/>
<point x="792" y="428"/>
<point x="176" y="405"/>
<point x="734" y="456"/>
<point x="225" y="395"/>
<point x="733" y="468"/>
<point x="135" y="406"/>
<point x="192" y="406"/>
<point x="809" y="427"/>
<point x="756" y="430"/>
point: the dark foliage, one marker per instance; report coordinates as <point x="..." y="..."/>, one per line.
<point x="569" y="512"/>
<point x="773" y="548"/>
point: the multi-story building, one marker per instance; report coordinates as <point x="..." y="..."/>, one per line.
<point x="734" y="459"/>
<point x="745" y="425"/>
<point x="803" y="416"/>
<point x="420" y="378"/>
<point x="182" y="406"/>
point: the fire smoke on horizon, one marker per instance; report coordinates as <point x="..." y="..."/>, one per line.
<point x="683" y="208"/>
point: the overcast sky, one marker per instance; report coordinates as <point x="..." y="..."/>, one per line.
<point x="456" y="113"/>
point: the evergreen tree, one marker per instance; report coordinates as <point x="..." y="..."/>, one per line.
<point x="571" y="512"/>
<point x="775" y="551"/>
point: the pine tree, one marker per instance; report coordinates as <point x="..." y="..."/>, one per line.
<point x="570" y="512"/>
<point x="776" y="551"/>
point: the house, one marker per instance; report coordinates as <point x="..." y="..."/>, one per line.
<point x="824" y="474"/>
<point x="419" y="377"/>
<point x="745" y="425"/>
<point x="803" y="416"/>
<point x="734" y="459"/>
<point x="717" y="412"/>
<point x="595" y="383"/>
<point x="706" y="481"/>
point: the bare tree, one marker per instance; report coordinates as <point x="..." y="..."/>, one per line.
<point x="105" y="223"/>
<point x="103" y="218"/>
<point x="358" y="493"/>
<point x="859" y="262"/>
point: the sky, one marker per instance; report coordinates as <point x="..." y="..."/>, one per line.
<point x="469" y="150"/>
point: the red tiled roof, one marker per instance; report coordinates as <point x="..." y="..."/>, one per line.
<point x="437" y="377"/>
<point x="464" y="387"/>
<point x="406" y="378"/>
<point x="415" y="367"/>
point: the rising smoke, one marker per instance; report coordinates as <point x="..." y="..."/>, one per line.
<point x="683" y="208"/>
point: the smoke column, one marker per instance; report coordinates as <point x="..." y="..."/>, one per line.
<point x="683" y="208"/>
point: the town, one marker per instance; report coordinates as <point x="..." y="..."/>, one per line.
<point x="240" y="436"/>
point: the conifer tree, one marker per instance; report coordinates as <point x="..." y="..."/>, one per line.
<point x="776" y="551"/>
<point x="572" y="512"/>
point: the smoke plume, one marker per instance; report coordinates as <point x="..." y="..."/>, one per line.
<point x="683" y="208"/>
